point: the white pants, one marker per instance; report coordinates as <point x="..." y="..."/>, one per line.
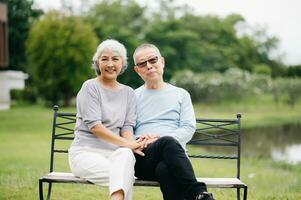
<point x="113" y="168"/>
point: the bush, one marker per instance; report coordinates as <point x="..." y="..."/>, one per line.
<point x="214" y="87"/>
<point x="236" y="85"/>
<point x="262" y="69"/>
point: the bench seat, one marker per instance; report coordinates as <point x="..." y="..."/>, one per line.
<point x="64" y="177"/>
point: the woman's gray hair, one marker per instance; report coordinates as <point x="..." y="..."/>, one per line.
<point x="114" y="46"/>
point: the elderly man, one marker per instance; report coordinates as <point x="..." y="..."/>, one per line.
<point x="166" y="122"/>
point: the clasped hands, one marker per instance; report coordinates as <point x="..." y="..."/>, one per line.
<point x="142" y="142"/>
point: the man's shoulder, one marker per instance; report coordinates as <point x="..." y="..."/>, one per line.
<point x="176" y="88"/>
<point x="139" y="90"/>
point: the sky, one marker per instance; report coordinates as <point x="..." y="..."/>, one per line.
<point x="281" y="18"/>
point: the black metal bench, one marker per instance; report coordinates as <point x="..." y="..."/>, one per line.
<point x="210" y="132"/>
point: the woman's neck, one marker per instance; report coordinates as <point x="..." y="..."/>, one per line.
<point x="109" y="83"/>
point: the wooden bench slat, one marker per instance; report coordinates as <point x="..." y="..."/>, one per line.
<point x="63" y="177"/>
<point x="222" y="182"/>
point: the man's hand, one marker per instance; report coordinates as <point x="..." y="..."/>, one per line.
<point x="150" y="136"/>
<point x="148" y="139"/>
<point x="144" y="141"/>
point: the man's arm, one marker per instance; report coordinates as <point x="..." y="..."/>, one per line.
<point x="187" y="121"/>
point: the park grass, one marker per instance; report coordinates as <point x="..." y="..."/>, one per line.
<point x="25" y="144"/>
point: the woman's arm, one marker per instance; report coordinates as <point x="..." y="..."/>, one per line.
<point x="102" y="132"/>
<point x="128" y="135"/>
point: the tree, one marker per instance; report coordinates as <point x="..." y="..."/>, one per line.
<point x="294" y="71"/>
<point x="20" y="17"/>
<point x="60" y="49"/>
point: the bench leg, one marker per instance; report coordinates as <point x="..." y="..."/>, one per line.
<point x="49" y="191"/>
<point x="245" y="192"/>
<point x="238" y="193"/>
<point x="41" y="190"/>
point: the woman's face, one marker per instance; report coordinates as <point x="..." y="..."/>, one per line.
<point x="110" y="64"/>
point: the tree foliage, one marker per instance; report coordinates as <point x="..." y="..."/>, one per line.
<point x="186" y="40"/>
<point x="208" y="43"/>
<point x="294" y="71"/>
<point x="20" y="17"/>
<point x="60" y="49"/>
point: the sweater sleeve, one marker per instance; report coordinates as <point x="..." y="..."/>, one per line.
<point x="89" y="106"/>
<point x="187" y="122"/>
<point x="130" y="119"/>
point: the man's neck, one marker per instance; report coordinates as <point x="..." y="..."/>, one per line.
<point x="155" y="85"/>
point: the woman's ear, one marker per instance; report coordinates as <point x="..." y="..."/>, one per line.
<point x="163" y="61"/>
<point x="95" y="64"/>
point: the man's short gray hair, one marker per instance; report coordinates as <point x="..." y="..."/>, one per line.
<point x="114" y="46"/>
<point x="145" y="46"/>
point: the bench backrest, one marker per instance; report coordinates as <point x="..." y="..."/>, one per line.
<point x="62" y="130"/>
<point x="210" y="132"/>
<point x="223" y="134"/>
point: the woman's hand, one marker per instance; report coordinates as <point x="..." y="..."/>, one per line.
<point x="136" y="147"/>
<point x="132" y="144"/>
<point x="139" y="151"/>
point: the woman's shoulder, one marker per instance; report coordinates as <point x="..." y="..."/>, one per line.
<point x="89" y="82"/>
<point x="126" y="88"/>
<point x="89" y="86"/>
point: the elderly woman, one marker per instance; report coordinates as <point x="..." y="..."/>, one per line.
<point x="102" y="150"/>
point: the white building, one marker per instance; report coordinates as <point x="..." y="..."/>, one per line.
<point x="8" y="79"/>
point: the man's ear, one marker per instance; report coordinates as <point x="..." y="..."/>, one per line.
<point x="136" y="69"/>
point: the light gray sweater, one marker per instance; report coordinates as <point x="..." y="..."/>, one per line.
<point x="167" y="112"/>
<point x="96" y="104"/>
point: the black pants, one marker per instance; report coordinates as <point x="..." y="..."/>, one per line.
<point x="165" y="161"/>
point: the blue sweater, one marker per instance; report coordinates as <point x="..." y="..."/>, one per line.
<point x="166" y="112"/>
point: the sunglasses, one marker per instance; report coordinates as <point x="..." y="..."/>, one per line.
<point x="153" y="60"/>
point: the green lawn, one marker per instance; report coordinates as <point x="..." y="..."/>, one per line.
<point x="25" y="143"/>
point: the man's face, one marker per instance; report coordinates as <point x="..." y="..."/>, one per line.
<point x="149" y="65"/>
